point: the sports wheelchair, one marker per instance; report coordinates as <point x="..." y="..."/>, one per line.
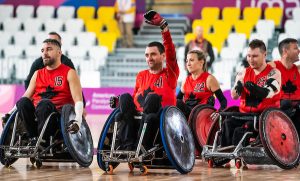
<point x="14" y="143"/>
<point x="173" y="145"/>
<point x="278" y="143"/>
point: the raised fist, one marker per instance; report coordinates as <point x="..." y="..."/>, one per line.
<point x="114" y="101"/>
<point x="153" y="18"/>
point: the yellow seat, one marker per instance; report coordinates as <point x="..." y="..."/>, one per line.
<point x="86" y="12"/>
<point x="94" y="25"/>
<point x="222" y="27"/>
<point x="189" y="37"/>
<point x="107" y="39"/>
<point x="252" y="15"/>
<point x="231" y="14"/>
<point x="243" y="26"/>
<point x="106" y="13"/>
<point x="210" y="14"/>
<point x="112" y="26"/>
<point x="275" y="14"/>
<point x="205" y="25"/>
<point x="217" y="40"/>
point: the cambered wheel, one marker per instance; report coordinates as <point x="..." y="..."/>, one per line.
<point x="279" y="138"/>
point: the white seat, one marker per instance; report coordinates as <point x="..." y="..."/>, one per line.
<point x="5" y="38"/>
<point x="44" y="12"/>
<point x="65" y="12"/>
<point x="23" y="38"/>
<point x="7" y="11"/>
<point x="98" y="55"/>
<point x="32" y="52"/>
<point x="292" y="28"/>
<point x="260" y="37"/>
<point x="32" y="25"/>
<point x="90" y="79"/>
<point x="237" y="41"/>
<point x="13" y="52"/>
<point x="282" y="36"/>
<point x="86" y="39"/>
<point x="296" y="13"/>
<point x="74" y="25"/>
<point x="276" y="54"/>
<point x="22" y="69"/>
<point x="39" y="38"/>
<point x="53" y="25"/>
<point x="68" y="39"/>
<point x="12" y="25"/>
<point x="77" y="52"/>
<point x="229" y="53"/>
<point x="265" y="28"/>
<point x="24" y="12"/>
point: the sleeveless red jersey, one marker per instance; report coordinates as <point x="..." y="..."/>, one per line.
<point x="197" y="89"/>
<point x="290" y="81"/>
<point x="164" y="83"/>
<point x="250" y="104"/>
<point x="53" y="85"/>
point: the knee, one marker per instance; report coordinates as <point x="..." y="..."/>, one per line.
<point x="152" y="103"/>
<point x="126" y="104"/>
<point x="45" y="105"/>
<point x="24" y="102"/>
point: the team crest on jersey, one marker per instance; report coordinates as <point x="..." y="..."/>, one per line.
<point x="261" y="81"/>
<point x="159" y="82"/>
<point x="199" y="87"/>
<point x="58" y="81"/>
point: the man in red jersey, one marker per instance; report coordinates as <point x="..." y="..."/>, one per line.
<point x="290" y="78"/>
<point x="258" y="88"/>
<point x="154" y="88"/>
<point x="49" y="89"/>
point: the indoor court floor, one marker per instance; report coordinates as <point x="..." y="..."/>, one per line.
<point x="23" y="169"/>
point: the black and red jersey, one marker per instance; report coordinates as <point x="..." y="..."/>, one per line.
<point x="290" y="82"/>
<point x="197" y="89"/>
<point x="53" y="85"/>
<point x="249" y="103"/>
<point x="164" y="83"/>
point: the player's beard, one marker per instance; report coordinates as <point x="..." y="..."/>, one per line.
<point x="48" y="61"/>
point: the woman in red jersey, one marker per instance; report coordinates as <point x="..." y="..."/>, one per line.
<point x="200" y="86"/>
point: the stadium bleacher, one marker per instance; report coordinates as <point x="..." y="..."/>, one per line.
<point x="91" y="39"/>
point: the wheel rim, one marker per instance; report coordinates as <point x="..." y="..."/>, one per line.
<point x="279" y="138"/>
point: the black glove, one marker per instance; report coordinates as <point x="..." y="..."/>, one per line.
<point x="256" y="91"/>
<point x="5" y="119"/>
<point x="239" y="88"/>
<point x="153" y="18"/>
<point x="73" y="127"/>
<point x="114" y="101"/>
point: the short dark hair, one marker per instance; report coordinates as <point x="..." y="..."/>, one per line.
<point x="200" y="56"/>
<point x="52" y="41"/>
<point x="159" y="46"/>
<point x="256" y="43"/>
<point x="54" y="33"/>
<point x="285" y="43"/>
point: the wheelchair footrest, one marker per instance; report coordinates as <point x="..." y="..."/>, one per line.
<point x="18" y="151"/>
